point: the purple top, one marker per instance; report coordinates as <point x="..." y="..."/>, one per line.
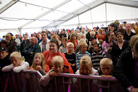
<point x="105" y="47"/>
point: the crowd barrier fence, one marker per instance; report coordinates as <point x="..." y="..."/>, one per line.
<point x="28" y="81"/>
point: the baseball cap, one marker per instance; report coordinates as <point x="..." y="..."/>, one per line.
<point x="3" y="49"/>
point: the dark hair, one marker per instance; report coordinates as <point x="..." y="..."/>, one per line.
<point x="4" y="42"/>
<point x="64" y="38"/>
<point x="119" y="32"/>
<point x="108" y="34"/>
<point x="71" y="37"/>
<point x="44" y="32"/>
<point x="55" y="41"/>
<point x="112" y="25"/>
<point x="125" y="22"/>
<point x="96" y="43"/>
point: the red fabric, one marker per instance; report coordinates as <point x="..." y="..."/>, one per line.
<point x="67" y="31"/>
<point x="74" y="43"/>
<point x="49" y="56"/>
<point x="47" y="69"/>
<point x="100" y="37"/>
<point x="39" y="37"/>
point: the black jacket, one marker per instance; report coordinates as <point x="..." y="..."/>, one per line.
<point x="4" y="62"/>
<point x="125" y="69"/>
<point x="27" y="53"/>
<point x="24" y="44"/>
<point x="127" y="37"/>
<point x="116" y="51"/>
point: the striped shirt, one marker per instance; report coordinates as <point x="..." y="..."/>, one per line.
<point x="78" y="57"/>
<point x="96" y="59"/>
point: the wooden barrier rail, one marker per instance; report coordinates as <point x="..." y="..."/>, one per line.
<point x="28" y="81"/>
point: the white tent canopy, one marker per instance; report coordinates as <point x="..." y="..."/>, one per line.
<point x="35" y="15"/>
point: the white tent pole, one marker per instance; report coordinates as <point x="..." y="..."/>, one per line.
<point x="78" y="20"/>
<point x="106" y="13"/>
<point x="8" y="6"/>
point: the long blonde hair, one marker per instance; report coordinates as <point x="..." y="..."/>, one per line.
<point x="43" y="64"/>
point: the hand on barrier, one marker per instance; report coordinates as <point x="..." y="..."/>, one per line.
<point x="134" y="90"/>
<point x="53" y="73"/>
<point x="107" y="76"/>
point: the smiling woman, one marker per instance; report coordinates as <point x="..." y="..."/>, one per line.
<point x="53" y="51"/>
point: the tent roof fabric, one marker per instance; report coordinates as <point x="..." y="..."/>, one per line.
<point x="18" y="14"/>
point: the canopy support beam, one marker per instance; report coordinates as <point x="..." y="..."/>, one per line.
<point x="8" y="6"/>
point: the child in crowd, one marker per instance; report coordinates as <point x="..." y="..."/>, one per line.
<point x="106" y="66"/>
<point x="58" y="67"/>
<point x="17" y="63"/>
<point x="4" y="58"/>
<point x="63" y="48"/>
<point x="91" y="47"/>
<point x="81" y="53"/>
<point x="86" y="69"/>
<point x="39" y="64"/>
<point x="96" y="56"/>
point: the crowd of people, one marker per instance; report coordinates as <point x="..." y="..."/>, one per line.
<point x="111" y="52"/>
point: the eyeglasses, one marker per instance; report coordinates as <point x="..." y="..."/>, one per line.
<point x="112" y="35"/>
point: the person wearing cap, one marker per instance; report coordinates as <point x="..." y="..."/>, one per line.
<point x="124" y="24"/>
<point x="126" y="70"/>
<point x="4" y="58"/>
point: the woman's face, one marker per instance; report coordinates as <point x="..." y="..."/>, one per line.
<point x="119" y="37"/>
<point x="53" y="47"/>
<point x="74" y="37"/>
<point x="70" y="48"/>
<point x="64" y="42"/>
<point x="100" y="31"/>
